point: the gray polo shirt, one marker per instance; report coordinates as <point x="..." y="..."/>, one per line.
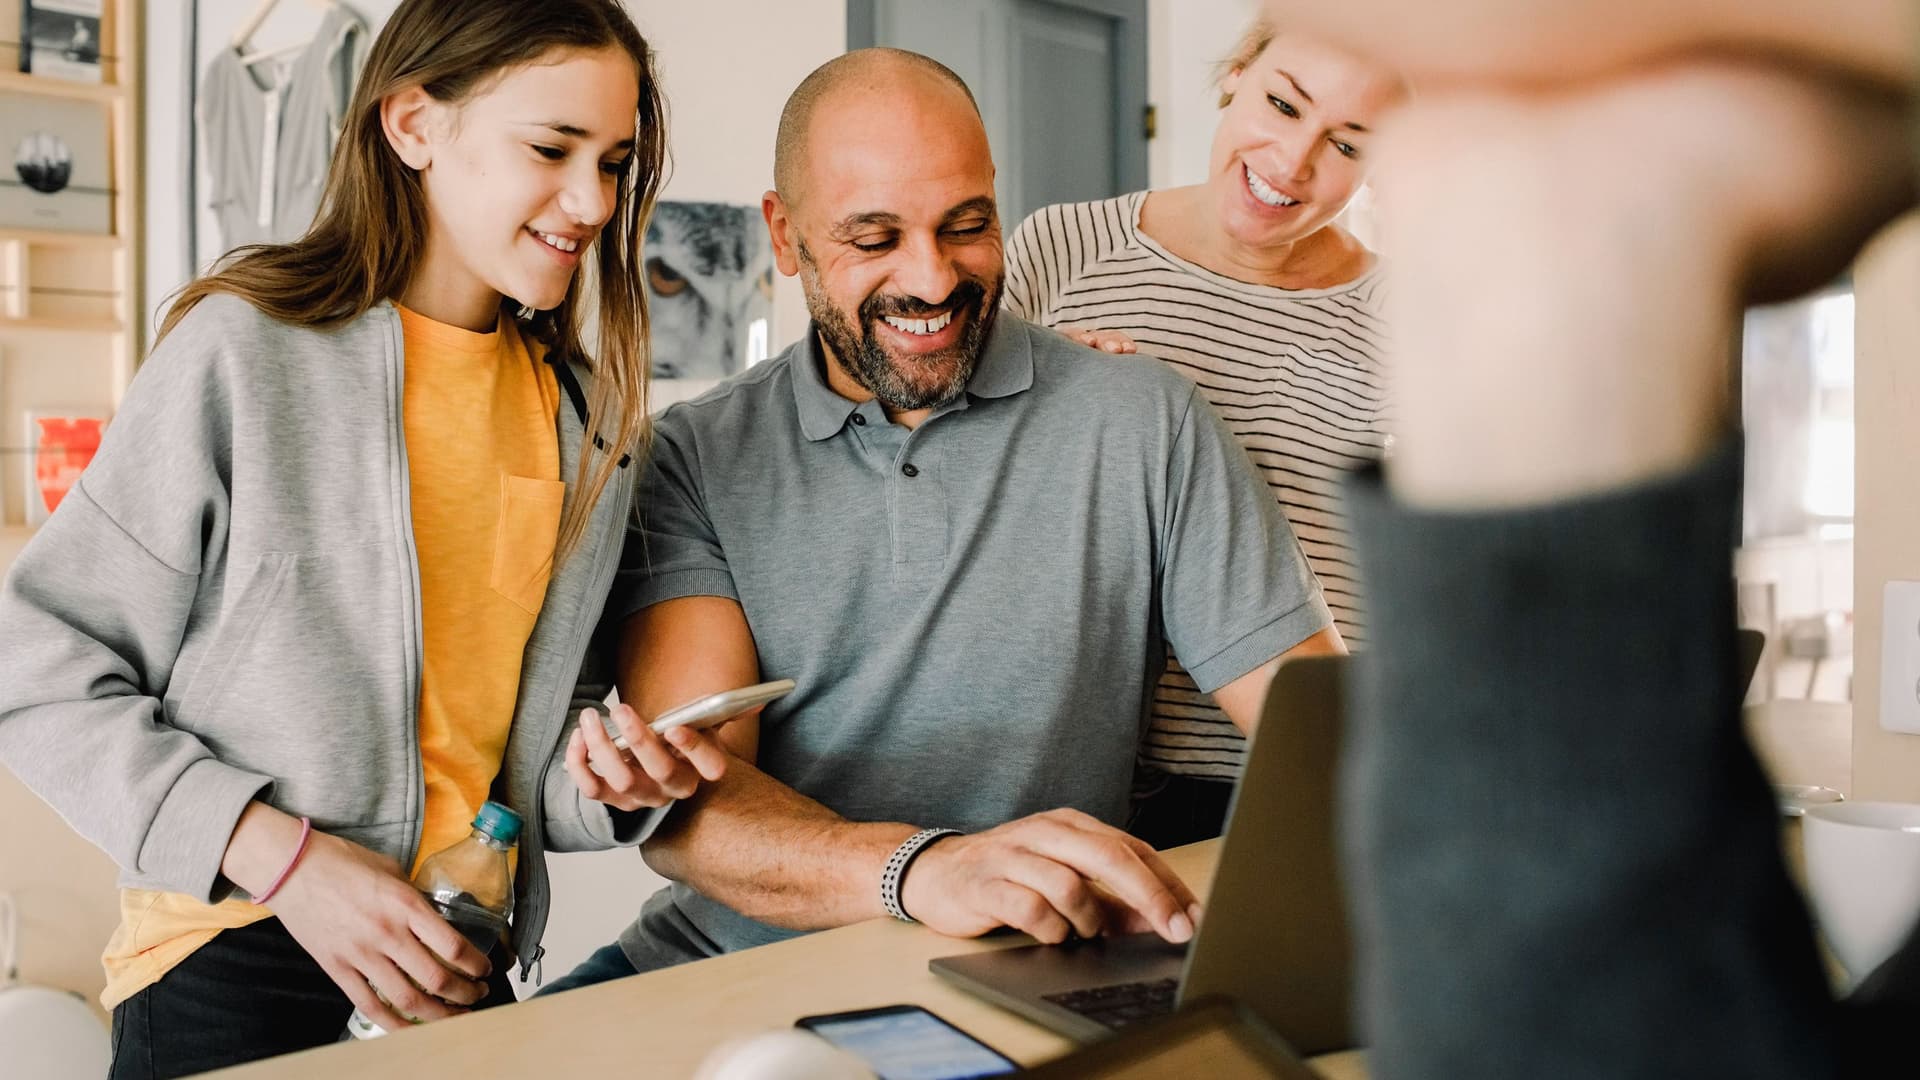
<point x="976" y="611"/>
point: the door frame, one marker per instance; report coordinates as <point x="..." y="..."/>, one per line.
<point x="1130" y="67"/>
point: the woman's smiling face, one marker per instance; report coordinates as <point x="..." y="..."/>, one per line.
<point x="1291" y="148"/>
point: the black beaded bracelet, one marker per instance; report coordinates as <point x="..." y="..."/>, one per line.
<point x="896" y="868"/>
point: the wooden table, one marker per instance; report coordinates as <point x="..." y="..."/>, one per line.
<point x="664" y="1023"/>
<point x="1804" y="742"/>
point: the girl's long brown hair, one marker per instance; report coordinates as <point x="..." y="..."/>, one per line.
<point x="371" y="229"/>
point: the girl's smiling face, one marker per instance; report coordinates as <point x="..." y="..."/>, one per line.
<point x="519" y="179"/>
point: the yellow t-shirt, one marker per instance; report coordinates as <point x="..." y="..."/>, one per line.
<point x="484" y="467"/>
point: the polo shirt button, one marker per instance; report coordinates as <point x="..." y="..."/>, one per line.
<point x="908" y="470"/>
<point x="859" y="421"/>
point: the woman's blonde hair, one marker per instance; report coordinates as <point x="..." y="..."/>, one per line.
<point x="1252" y="42"/>
<point x="371" y="229"/>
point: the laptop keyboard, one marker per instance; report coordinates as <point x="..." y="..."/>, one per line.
<point x="1121" y="1004"/>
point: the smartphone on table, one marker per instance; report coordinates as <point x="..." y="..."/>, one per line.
<point x="906" y="1042"/>
<point x="705" y="712"/>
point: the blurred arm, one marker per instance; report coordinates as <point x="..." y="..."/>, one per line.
<point x="1528" y="41"/>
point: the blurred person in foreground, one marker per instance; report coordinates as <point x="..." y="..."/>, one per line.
<point x="1564" y="856"/>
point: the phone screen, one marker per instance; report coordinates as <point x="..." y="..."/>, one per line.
<point x="910" y="1044"/>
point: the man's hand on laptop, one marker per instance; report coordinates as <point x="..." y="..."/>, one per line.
<point x="1051" y="875"/>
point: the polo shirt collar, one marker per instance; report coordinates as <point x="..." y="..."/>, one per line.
<point x="1006" y="368"/>
<point x="822" y="412"/>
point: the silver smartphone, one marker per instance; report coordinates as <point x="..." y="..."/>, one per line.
<point x="705" y="712"/>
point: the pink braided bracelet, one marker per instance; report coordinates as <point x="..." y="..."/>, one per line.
<point x="306" y="830"/>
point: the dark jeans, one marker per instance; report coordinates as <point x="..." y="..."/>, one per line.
<point x="662" y="938"/>
<point x="1185" y="811"/>
<point x="609" y="962"/>
<point x="247" y="994"/>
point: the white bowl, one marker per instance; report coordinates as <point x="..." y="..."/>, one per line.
<point x="1863" y="871"/>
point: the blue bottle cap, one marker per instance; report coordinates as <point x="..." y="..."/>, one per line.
<point x="498" y="822"/>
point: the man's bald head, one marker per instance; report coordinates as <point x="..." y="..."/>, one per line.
<point x="876" y="69"/>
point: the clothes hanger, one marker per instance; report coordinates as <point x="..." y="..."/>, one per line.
<point x="252" y="58"/>
<point x="246" y="31"/>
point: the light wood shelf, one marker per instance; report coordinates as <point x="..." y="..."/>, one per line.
<point x="52" y="238"/>
<point x="58" y="351"/>
<point x="47" y="86"/>
<point x="67" y="323"/>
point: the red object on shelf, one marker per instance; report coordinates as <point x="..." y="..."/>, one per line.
<point x="63" y="447"/>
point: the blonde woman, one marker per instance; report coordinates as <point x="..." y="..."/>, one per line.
<point x="1247" y="285"/>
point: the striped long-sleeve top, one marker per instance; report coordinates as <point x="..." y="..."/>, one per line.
<point x="1295" y="374"/>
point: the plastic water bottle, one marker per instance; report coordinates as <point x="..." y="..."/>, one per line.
<point x="471" y="885"/>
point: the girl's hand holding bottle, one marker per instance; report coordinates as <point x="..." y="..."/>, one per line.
<point x="656" y="770"/>
<point x="359" y="917"/>
<point x="370" y="929"/>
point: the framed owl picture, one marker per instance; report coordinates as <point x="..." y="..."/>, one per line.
<point x="709" y="271"/>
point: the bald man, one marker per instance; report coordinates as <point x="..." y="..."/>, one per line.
<point x="967" y="539"/>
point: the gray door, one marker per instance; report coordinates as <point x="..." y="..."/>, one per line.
<point x="1062" y="85"/>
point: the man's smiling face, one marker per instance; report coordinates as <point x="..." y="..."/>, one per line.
<point x="896" y="237"/>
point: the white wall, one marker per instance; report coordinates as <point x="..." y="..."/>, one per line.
<point x="1886" y="765"/>
<point x="1186" y="38"/>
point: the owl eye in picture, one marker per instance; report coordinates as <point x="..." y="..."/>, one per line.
<point x="709" y="274"/>
<point x="664" y="280"/>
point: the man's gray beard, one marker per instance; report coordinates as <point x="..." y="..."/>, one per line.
<point x="868" y="363"/>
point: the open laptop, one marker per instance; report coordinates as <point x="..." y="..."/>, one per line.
<point x="1275" y="936"/>
<point x="1275" y="933"/>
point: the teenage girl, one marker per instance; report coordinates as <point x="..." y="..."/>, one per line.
<point x="331" y="581"/>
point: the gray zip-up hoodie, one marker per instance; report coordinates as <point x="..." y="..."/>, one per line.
<point x="226" y="607"/>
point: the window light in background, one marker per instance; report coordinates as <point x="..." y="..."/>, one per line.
<point x="756" y="342"/>
<point x="1794" y="567"/>
<point x="1829" y="487"/>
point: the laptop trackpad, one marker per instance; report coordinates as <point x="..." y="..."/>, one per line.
<point x="1040" y="970"/>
